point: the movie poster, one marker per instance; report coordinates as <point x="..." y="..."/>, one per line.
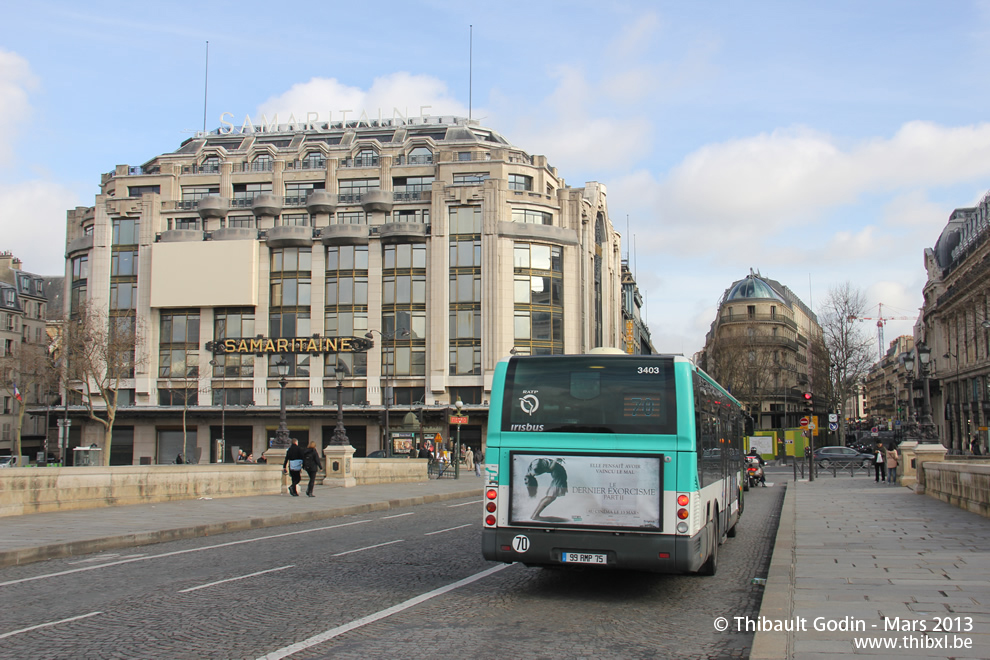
<point x="586" y="491"/>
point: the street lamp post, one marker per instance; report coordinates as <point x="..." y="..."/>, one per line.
<point x="958" y="416"/>
<point x="457" y="451"/>
<point x="927" y="426"/>
<point x="219" y="350"/>
<point x="282" y="434"/>
<point x="386" y="393"/>
<point x="340" y="433"/>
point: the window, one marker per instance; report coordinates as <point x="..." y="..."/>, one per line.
<point x="470" y="178"/>
<point x="233" y="323"/>
<point x="123" y="262"/>
<point x="314" y="160"/>
<point x="420" y="156"/>
<point x="352" y="189"/>
<point x="196" y="193"/>
<point x="123" y="295"/>
<point x="298" y="367"/>
<point x="210" y="164"/>
<point x="241" y="221"/>
<point x="538" y="298"/>
<point x="464" y="315"/>
<point x="244" y="193"/>
<point x="137" y="191"/>
<point x="412" y="183"/>
<point x="178" y="355"/>
<point x="262" y="163"/>
<point x="465" y="220"/>
<point x="520" y="182"/>
<point x="350" y="218"/>
<point x="80" y="268"/>
<point x="184" y="223"/>
<point x="532" y="217"/>
<point x="296" y="220"/>
<point x="237" y="396"/>
<point x="366" y="158"/>
<point x="125" y="231"/>
<point x="296" y="192"/>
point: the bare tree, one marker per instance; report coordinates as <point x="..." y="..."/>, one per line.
<point x="745" y="365"/>
<point x="101" y="355"/>
<point x="850" y="350"/>
<point x="26" y="375"/>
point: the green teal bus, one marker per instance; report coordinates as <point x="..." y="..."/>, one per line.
<point x="611" y="461"/>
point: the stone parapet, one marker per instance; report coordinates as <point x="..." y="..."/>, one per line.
<point x="962" y="484"/>
<point x="39" y="490"/>
<point x="389" y="470"/>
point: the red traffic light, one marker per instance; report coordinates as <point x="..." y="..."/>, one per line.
<point x="807" y="396"/>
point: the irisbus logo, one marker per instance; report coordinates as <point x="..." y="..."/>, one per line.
<point x="526" y="427"/>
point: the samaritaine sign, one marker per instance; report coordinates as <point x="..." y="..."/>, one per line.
<point x="262" y="345"/>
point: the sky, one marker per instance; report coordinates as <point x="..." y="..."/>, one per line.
<point x="815" y="143"/>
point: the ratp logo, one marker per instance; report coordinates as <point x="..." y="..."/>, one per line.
<point x="529" y="404"/>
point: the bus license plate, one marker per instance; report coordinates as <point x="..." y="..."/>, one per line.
<point x="583" y="558"/>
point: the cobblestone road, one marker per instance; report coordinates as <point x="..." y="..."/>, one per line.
<point x="246" y="595"/>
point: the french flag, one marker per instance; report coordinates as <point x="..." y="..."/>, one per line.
<point x="17" y="393"/>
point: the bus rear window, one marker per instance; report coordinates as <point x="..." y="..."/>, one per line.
<point x="590" y="394"/>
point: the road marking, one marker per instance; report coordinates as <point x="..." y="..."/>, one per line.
<point x="449" y="529"/>
<point x="104" y="558"/>
<point x="451" y="506"/>
<point x="180" y="552"/>
<point x="234" y="579"/>
<point x="398" y="515"/>
<point x="370" y="547"/>
<point x="47" y="625"/>
<point x="377" y="616"/>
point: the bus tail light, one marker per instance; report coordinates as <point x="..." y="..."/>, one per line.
<point x="491" y="495"/>
<point x="682" y="512"/>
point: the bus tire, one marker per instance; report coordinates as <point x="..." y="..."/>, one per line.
<point x="711" y="564"/>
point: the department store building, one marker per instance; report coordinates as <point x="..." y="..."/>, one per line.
<point x="395" y="261"/>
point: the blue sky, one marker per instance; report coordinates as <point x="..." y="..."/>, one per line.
<point x="817" y="143"/>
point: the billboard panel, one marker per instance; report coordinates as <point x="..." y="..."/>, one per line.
<point x="581" y="490"/>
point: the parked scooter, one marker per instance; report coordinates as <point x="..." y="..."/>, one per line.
<point x="754" y="472"/>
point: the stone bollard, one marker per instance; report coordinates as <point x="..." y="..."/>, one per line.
<point x="339" y="466"/>
<point x="276" y="456"/>
<point x="908" y="470"/>
<point x="922" y="454"/>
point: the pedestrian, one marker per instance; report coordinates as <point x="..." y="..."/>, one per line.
<point x="893" y="459"/>
<point x="178" y="459"/>
<point x="878" y="466"/>
<point x="293" y="465"/>
<point x="250" y="458"/>
<point x="424" y="452"/>
<point x="468" y="458"/>
<point x="975" y="446"/>
<point x="311" y="463"/>
<point x="479" y="457"/>
<point x="241" y="456"/>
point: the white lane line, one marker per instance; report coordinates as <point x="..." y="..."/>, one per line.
<point x="472" y="502"/>
<point x="46" y="625"/>
<point x="449" y="529"/>
<point x="235" y="579"/>
<point x="104" y="558"/>
<point x="179" y="552"/>
<point x="370" y="547"/>
<point x="377" y="616"/>
<point x="398" y="515"/>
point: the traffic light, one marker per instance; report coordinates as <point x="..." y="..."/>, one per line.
<point x="809" y="402"/>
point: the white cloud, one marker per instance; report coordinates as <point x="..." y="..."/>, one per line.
<point x="16" y="80"/>
<point x="34" y="225"/>
<point x="403" y="91"/>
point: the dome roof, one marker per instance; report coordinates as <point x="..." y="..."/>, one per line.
<point x="753" y="287"/>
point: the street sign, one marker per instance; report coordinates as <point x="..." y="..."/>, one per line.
<point x="833" y="426"/>
<point x="64" y="422"/>
<point x="833" y="417"/>
<point x="454" y="419"/>
<point x="804" y="422"/>
<point x="812" y="426"/>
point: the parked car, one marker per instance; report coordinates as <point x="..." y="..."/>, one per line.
<point x="7" y="461"/>
<point x="842" y="457"/>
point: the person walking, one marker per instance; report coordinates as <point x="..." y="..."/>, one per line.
<point x="974" y="446"/>
<point x="311" y="463"/>
<point x="893" y="460"/>
<point x="878" y="466"/>
<point x="468" y="458"/>
<point x="479" y="457"/>
<point x="293" y="465"/>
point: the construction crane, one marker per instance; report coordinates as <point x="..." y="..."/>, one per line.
<point x="881" y="320"/>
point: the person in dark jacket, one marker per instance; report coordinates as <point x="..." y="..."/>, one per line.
<point x="293" y="465"/>
<point x="312" y="464"/>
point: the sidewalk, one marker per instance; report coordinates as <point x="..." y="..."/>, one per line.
<point x="41" y="536"/>
<point x="851" y="553"/>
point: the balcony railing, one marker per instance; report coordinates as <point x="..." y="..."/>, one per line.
<point x="367" y="161"/>
<point x="414" y="160"/>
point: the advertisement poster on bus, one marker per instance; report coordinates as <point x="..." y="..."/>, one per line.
<point x="586" y="491"/>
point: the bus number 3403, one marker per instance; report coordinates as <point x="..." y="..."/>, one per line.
<point x="647" y="370"/>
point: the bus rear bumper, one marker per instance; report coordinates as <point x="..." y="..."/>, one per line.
<point x="659" y="553"/>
